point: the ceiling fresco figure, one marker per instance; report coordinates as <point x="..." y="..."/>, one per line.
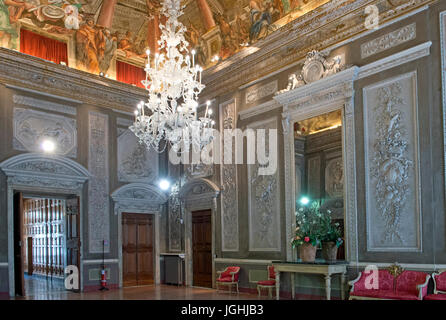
<point x="230" y="44"/>
<point x="89" y="39"/>
<point x="8" y="18"/>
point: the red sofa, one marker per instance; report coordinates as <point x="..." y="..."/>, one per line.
<point x="439" y="287"/>
<point x="405" y="285"/>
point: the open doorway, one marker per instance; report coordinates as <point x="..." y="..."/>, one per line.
<point x="46" y="241"/>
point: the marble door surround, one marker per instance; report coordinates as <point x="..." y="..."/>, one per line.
<point x="40" y="173"/>
<point x="140" y="198"/>
<point x="198" y="194"/>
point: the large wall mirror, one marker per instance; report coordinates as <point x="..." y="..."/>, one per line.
<point x="319" y="166"/>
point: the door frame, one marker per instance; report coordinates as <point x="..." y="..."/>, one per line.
<point x="156" y="247"/>
<point x="140" y="198"/>
<point x="196" y="195"/>
<point x="46" y="175"/>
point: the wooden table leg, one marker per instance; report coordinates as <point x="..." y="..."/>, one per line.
<point x="343" y="280"/>
<point x="328" y="286"/>
<point x="292" y="286"/>
<point x="277" y="284"/>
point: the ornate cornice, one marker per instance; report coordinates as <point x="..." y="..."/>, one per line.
<point x="320" y="29"/>
<point x="33" y="73"/>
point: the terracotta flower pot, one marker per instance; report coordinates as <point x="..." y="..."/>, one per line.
<point x="329" y="250"/>
<point x="307" y="252"/>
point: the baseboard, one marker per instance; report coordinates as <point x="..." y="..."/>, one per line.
<point x="92" y="288"/>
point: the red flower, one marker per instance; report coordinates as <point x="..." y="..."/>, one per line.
<point x="307" y="239"/>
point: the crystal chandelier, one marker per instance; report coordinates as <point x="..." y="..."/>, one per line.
<point x="173" y="82"/>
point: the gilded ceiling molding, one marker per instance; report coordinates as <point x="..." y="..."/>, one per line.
<point x="27" y="72"/>
<point x="319" y="29"/>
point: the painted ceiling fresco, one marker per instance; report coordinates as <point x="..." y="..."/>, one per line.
<point x="103" y="30"/>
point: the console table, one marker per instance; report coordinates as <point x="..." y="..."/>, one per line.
<point x="326" y="269"/>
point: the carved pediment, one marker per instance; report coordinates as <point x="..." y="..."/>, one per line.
<point x="33" y="163"/>
<point x="139" y="193"/>
<point x="316" y="67"/>
<point x="197" y="188"/>
<point x="39" y="170"/>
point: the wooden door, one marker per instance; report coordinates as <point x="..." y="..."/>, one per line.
<point x="19" y="246"/>
<point x="202" y="248"/>
<point x="73" y="237"/>
<point x="137" y="249"/>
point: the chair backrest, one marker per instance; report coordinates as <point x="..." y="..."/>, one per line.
<point x="385" y="281"/>
<point x="440" y="281"/>
<point x="409" y="281"/>
<point x="271" y="273"/>
<point x="229" y="270"/>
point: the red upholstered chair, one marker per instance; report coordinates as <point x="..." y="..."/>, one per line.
<point x="439" y="286"/>
<point x="228" y="277"/>
<point x="269" y="284"/>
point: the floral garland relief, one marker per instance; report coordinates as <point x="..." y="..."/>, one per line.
<point x="391" y="165"/>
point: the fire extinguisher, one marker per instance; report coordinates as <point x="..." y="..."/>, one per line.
<point x="103" y="279"/>
<point x="103" y="273"/>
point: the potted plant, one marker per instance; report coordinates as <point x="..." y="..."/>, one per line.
<point x="307" y="234"/>
<point x="331" y="237"/>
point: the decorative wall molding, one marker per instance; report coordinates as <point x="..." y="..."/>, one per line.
<point x="30" y="73"/>
<point x="326" y="95"/>
<point x="264" y="201"/>
<point x="389" y="40"/>
<point x="135" y="161"/>
<point x="242" y="261"/>
<point x="31" y="128"/>
<point x="100" y="261"/>
<point x="98" y="187"/>
<point x="123" y="122"/>
<point x="175" y="217"/>
<point x="228" y="178"/>
<point x="392" y="165"/>
<point x="43" y="104"/>
<point x="443" y="76"/>
<point x="395" y="60"/>
<point x="257" y="92"/>
<point x="259" y="109"/>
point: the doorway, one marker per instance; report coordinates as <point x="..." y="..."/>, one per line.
<point x="137" y="249"/>
<point x="202" y="248"/>
<point x="46" y="240"/>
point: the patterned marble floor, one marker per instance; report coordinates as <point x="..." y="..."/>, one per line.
<point x="41" y="289"/>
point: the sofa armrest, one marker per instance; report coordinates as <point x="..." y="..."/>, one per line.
<point x="422" y="288"/>
<point x="352" y="283"/>
<point x="233" y="275"/>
